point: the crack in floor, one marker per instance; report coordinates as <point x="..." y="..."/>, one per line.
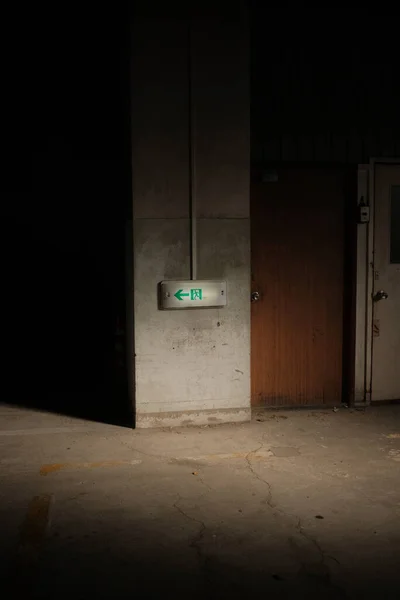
<point x="133" y="449"/>
<point x="196" y="539"/>
<point x="257" y="476"/>
<point x="205" y="483"/>
<point x="309" y="538"/>
<point x="299" y="528"/>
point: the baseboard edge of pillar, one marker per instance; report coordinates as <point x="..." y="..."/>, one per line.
<point x="193" y="418"/>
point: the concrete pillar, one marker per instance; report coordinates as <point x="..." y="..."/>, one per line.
<point x="191" y="366"/>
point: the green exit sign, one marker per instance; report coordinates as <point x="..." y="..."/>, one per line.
<point x="192" y="294"/>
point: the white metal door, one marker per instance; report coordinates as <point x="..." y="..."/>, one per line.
<point x="386" y="292"/>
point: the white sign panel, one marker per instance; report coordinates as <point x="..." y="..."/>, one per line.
<point x="192" y="294"/>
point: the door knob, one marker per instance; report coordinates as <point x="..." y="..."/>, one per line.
<point x="381" y="295"/>
<point x="255" y="296"/>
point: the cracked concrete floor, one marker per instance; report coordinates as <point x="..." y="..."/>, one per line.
<point x="292" y="505"/>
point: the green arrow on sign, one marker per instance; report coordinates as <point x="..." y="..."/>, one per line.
<point x="180" y="295"/>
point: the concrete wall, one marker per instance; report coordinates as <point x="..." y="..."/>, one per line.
<point x="191" y="366"/>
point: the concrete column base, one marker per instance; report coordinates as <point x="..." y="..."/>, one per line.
<point x="193" y="418"/>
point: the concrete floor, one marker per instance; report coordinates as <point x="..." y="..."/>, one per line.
<point x="292" y="505"/>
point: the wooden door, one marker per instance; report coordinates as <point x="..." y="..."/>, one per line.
<point x="298" y="239"/>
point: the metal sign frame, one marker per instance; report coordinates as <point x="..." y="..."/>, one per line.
<point x="190" y="294"/>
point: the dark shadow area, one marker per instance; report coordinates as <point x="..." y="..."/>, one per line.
<point x="120" y="554"/>
<point x="69" y="198"/>
<point x="69" y="356"/>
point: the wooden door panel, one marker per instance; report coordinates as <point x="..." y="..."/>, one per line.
<point x="297" y="267"/>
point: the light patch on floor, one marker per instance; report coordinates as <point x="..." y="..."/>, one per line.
<point x="285" y="452"/>
<point x="45" y="431"/>
<point x="209" y="458"/>
<point x="213" y="512"/>
<point x="70" y="466"/>
<point x="394" y="455"/>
